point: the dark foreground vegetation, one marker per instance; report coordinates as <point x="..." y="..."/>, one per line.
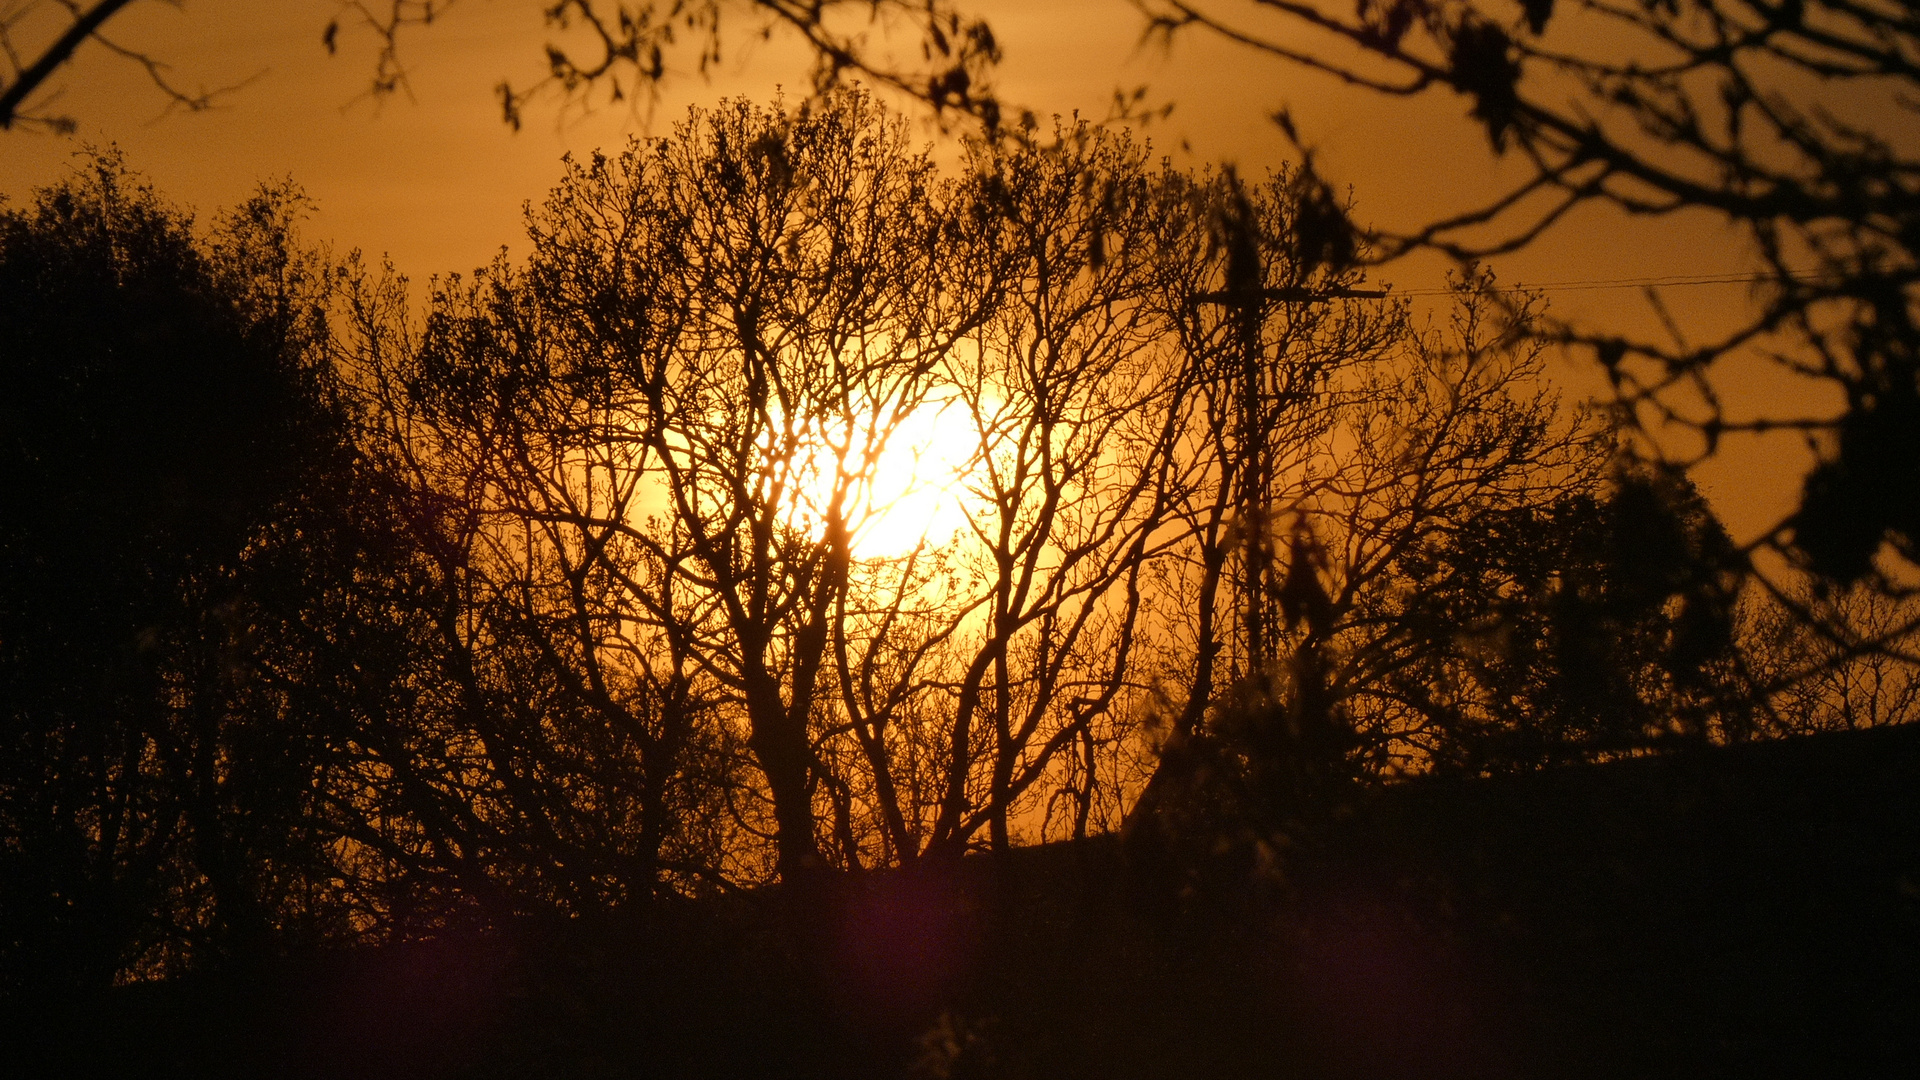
<point x="1734" y="912"/>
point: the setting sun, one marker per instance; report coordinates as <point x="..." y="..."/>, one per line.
<point x="916" y="490"/>
<point x="912" y="494"/>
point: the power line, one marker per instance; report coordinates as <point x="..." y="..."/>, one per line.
<point x="1666" y="281"/>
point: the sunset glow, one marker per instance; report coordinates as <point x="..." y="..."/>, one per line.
<point x="913" y="492"/>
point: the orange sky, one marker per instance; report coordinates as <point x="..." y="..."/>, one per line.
<point x="437" y="180"/>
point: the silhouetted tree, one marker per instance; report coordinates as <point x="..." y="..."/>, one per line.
<point x="1815" y="682"/>
<point x="664" y="438"/>
<point x="677" y="411"/>
<point x="1466" y="579"/>
<point x="545" y="759"/>
<point x="1504" y="592"/>
<point x="171" y="445"/>
<point x="682" y="407"/>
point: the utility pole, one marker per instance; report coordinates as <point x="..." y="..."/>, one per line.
<point x="1243" y="293"/>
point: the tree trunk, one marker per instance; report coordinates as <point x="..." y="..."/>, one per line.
<point x="780" y="746"/>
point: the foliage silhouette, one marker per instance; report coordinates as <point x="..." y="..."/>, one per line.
<point x="1472" y="581"/>
<point x="173" y="449"/>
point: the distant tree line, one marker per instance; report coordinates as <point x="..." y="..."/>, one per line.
<point x="331" y="613"/>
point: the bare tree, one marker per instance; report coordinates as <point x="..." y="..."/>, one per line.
<point x="698" y="376"/>
<point x="1188" y="461"/>
<point x="1071" y="393"/>
<point x="1502" y="591"/>
<point x="1815" y="683"/>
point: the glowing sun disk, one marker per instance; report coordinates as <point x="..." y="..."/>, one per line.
<point x="911" y="492"/>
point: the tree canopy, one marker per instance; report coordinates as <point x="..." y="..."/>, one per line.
<point x="177" y="470"/>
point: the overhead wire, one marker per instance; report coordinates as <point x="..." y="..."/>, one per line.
<point x="1658" y="282"/>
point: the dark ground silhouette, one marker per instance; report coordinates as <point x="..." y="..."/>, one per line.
<point x="1736" y="912"/>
